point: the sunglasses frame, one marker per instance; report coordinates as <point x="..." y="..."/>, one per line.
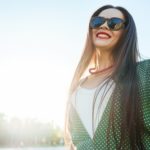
<point x="108" y="20"/>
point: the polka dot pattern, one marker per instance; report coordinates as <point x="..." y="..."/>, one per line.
<point x="144" y="82"/>
<point x="82" y="140"/>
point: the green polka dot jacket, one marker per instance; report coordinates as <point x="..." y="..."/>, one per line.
<point x="81" y="138"/>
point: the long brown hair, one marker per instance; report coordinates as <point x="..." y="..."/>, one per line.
<point x="126" y="55"/>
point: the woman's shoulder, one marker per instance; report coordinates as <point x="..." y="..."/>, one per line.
<point x="143" y="66"/>
<point x="143" y="73"/>
<point x="143" y="63"/>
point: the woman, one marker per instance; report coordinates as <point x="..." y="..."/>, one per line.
<point x="110" y="107"/>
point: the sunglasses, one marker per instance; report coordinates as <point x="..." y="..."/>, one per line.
<point x="114" y="23"/>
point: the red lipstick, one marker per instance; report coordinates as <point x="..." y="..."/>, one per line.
<point x="103" y="35"/>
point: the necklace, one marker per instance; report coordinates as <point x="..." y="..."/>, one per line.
<point x="91" y="70"/>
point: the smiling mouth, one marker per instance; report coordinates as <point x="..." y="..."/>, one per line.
<point x="103" y="35"/>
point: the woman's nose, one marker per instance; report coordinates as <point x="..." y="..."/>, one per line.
<point x="104" y="26"/>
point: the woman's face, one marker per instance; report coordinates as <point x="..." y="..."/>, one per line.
<point x="103" y="37"/>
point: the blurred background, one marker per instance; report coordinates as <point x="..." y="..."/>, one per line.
<point x="40" y="44"/>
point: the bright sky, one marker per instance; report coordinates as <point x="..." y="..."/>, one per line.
<point x="40" y="45"/>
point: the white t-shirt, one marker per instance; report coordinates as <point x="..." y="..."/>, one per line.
<point x="82" y="99"/>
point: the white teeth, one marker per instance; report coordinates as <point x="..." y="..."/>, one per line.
<point x="103" y="36"/>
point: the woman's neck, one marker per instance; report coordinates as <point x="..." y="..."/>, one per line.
<point x="104" y="59"/>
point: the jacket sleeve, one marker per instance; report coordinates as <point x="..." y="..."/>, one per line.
<point x="144" y="90"/>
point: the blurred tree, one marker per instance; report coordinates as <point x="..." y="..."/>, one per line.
<point x="29" y="132"/>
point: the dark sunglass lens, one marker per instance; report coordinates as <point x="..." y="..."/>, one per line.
<point x="96" y="22"/>
<point x="115" y="23"/>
